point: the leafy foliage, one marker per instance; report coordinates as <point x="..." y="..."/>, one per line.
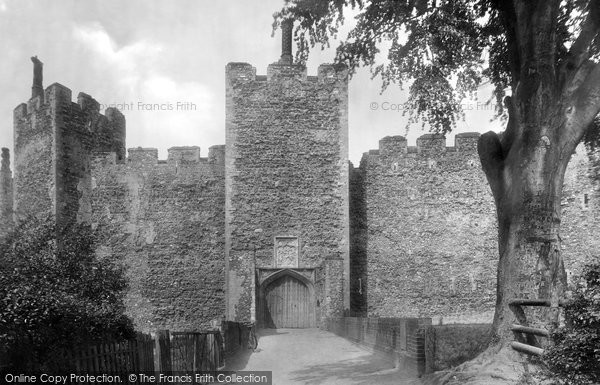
<point x="55" y="297"/>
<point x="443" y="49"/>
<point x="575" y="357"/>
<point x="592" y="135"/>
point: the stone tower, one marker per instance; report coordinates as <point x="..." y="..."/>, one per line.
<point x="54" y="138"/>
<point x="286" y="186"/>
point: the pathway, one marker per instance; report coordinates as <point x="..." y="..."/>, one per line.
<point x="313" y="356"/>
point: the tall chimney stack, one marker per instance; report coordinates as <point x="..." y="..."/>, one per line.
<point x="287" y="26"/>
<point x="37" y="89"/>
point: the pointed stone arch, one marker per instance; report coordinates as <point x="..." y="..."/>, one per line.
<point x="286" y="299"/>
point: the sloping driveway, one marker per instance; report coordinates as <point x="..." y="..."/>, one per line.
<point x="313" y="356"/>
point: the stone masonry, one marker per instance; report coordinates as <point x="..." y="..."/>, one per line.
<point x="286" y="176"/>
<point x="424" y="233"/>
<point x="427" y="231"/>
<point x="411" y="232"/>
<point x="163" y="219"/>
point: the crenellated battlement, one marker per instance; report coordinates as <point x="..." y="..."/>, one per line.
<point x="56" y="95"/>
<point x="428" y="145"/>
<point x="143" y="156"/>
<point x="276" y="72"/>
<point x="77" y="133"/>
<point x="466" y="141"/>
<point x="431" y="144"/>
<point x="185" y="154"/>
<point x="216" y="155"/>
<point x="53" y="95"/>
<point x="179" y="159"/>
<point x="105" y="132"/>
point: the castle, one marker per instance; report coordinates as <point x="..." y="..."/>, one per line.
<point x="276" y="226"/>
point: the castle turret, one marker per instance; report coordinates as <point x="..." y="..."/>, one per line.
<point x="54" y="142"/>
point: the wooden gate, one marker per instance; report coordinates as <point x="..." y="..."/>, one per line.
<point x="287" y="303"/>
<point x="192" y="352"/>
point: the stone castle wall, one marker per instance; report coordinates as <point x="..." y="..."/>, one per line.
<point x="580" y="205"/>
<point x="54" y="139"/>
<point x="165" y="221"/>
<point x="287" y="175"/>
<point x="411" y="232"/>
<point x="424" y="235"/>
<point x="427" y="230"/>
<point x="34" y="156"/>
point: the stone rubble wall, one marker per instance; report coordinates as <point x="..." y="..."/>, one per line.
<point x="165" y="221"/>
<point x="425" y="233"/>
<point x="286" y="175"/>
<point x="415" y="237"/>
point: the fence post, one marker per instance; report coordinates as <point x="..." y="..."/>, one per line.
<point x="219" y="342"/>
<point x="163" y="351"/>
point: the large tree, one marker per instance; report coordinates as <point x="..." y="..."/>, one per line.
<point x="541" y="56"/>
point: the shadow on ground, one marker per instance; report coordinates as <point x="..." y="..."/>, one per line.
<point x="366" y="371"/>
<point x="240" y="359"/>
<point x="268" y="332"/>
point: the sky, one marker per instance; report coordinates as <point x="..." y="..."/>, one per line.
<point x="133" y="53"/>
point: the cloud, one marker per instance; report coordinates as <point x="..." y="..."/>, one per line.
<point x="160" y="110"/>
<point x="190" y="110"/>
<point x="163" y="89"/>
<point x="3" y="6"/>
<point x="130" y="61"/>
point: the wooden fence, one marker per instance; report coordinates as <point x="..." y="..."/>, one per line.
<point x="165" y="352"/>
<point x="192" y="352"/>
<point x="235" y="336"/>
<point x="133" y="356"/>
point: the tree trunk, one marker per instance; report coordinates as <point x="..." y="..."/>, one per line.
<point x="525" y="168"/>
<point x="528" y="210"/>
<point x="553" y="103"/>
<point x="551" y="108"/>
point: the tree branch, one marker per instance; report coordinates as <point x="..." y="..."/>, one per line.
<point x="577" y="78"/>
<point x="590" y="27"/>
<point x="536" y="34"/>
<point x="588" y="101"/>
<point x="586" y="104"/>
<point x="509" y="135"/>
<point x="509" y="21"/>
<point x="489" y="148"/>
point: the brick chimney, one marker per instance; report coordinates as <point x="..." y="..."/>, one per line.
<point x="37" y="89"/>
<point x="286" y="41"/>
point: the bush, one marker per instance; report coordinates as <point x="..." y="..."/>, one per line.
<point x="56" y="294"/>
<point x="574" y="359"/>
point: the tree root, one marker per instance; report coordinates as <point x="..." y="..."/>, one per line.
<point x="498" y="365"/>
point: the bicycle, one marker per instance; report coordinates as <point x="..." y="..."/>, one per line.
<point x="252" y="340"/>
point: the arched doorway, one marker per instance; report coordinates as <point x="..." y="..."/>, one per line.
<point x="286" y="300"/>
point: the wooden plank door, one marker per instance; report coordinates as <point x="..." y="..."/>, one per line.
<point x="288" y="304"/>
